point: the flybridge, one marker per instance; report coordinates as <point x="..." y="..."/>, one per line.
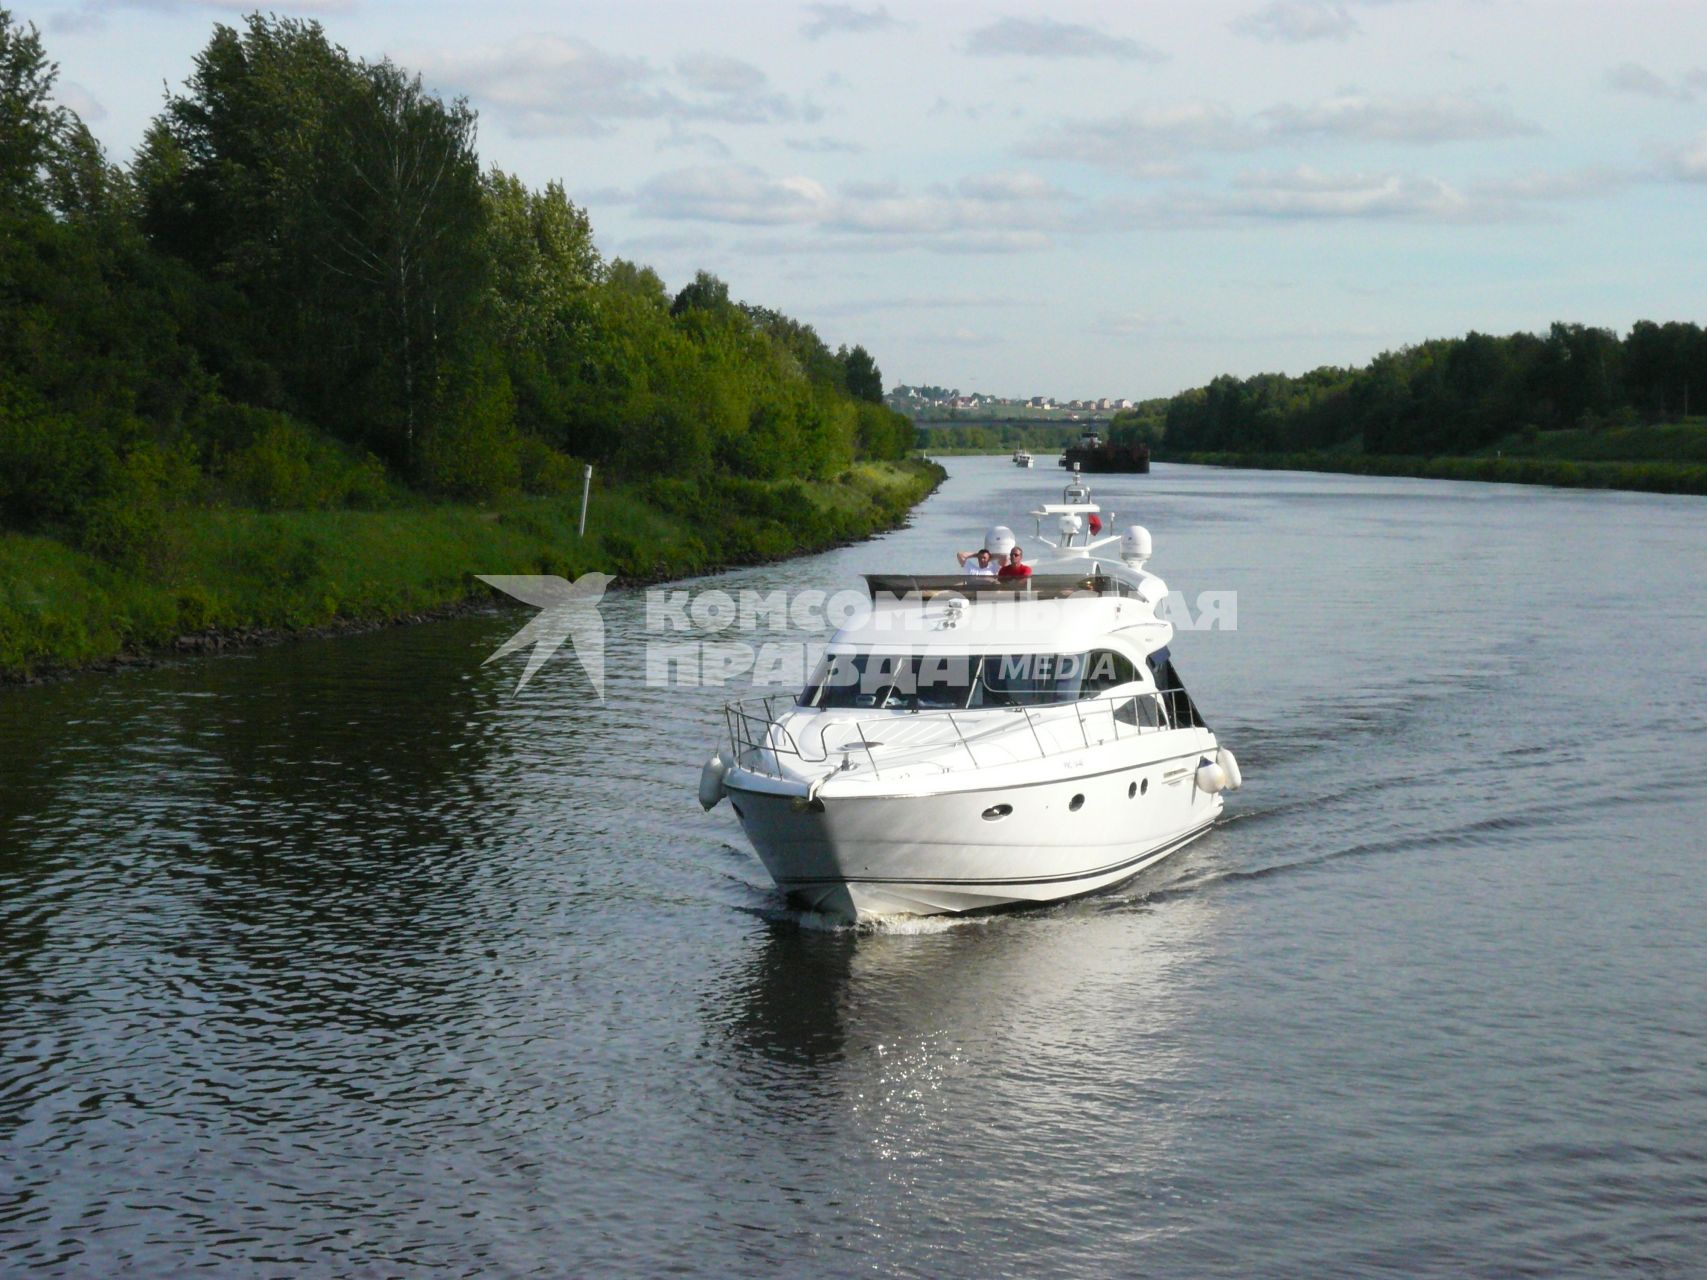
<point x="1071" y="572"/>
<point x="1040" y="586"/>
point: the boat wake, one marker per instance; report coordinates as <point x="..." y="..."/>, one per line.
<point x="895" y="926"/>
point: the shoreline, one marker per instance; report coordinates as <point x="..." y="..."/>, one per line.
<point x="863" y="503"/>
<point x="1562" y="473"/>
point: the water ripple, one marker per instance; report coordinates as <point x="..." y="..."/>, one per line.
<point x="343" y="958"/>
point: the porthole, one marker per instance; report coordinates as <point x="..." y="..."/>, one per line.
<point x="996" y="812"/>
<point x="1131" y="790"/>
<point x="1076" y="803"/>
<point x="1144" y="786"/>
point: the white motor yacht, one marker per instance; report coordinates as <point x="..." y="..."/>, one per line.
<point x="1022" y="458"/>
<point x="972" y="742"/>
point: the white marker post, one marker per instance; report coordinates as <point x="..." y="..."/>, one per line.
<point x="586" y="488"/>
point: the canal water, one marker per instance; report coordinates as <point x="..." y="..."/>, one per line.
<point x="347" y="958"/>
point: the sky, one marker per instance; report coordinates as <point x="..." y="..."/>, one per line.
<point x="1070" y="200"/>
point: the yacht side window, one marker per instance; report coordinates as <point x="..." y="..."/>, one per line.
<point x="1181" y="711"/>
<point x="1028" y="679"/>
<point x="1105" y="670"/>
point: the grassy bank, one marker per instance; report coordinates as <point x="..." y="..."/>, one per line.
<point x="233" y="572"/>
<point x="1572" y="473"/>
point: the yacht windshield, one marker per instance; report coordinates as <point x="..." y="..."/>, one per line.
<point x="908" y="682"/>
<point x="930" y="682"/>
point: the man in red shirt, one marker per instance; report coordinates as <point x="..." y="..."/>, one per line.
<point x="1015" y="567"/>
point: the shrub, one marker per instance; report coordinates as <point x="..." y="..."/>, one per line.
<point x="126" y="522"/>
<point x="50" y="464"/>
<point x="272" y="462"/>
<point x="545" y="470"/>
<point x="275" y="471"/>
<point x="676" y="496"/>
<point x="471" y="450"/>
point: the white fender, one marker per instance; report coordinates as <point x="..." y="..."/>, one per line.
<point x="711" y="780"/>
<point x="1230" y="767"/>
<point x="1211" y="777"/>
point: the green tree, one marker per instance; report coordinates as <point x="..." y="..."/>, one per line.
<point x="862" y="377"/>
<point x="704" y="293"/>
<point x="405" y="216"/>
<point x="540" y="249"/>
<point x="230" y="172"/>
<point x="30" y="125"/>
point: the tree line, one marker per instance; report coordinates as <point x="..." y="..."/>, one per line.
<point x="305" y="290"/>
<point x="1444" y="397"/>
<point x="1044" y="437"/>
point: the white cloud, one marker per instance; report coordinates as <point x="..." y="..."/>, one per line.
<point x="91" y="15"/>
<point x="1422" y="121"/>
<point x="1295" y="21"/>
<point x="1689" y="162"/>
<point x="738" y="194"/>
<point x="1146" y="142"/>
<point x="993" y="213"/>
<point x="547" y="84"/>
<point x="710" y="73"/>
<point x="845" y="19"/>
<point x="1306" y="193"/>
<point x="1631" y="77"/>
<point x="736" y="92"/>
<point x="1046" y="38"/>
<point x="68" y="93"/>
<point x="1010" y="186"/>
<point x="682" y="139"/>
<point x="1160" y="140"/>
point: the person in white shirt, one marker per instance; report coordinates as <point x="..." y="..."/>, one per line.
<point x="982" y="564"/>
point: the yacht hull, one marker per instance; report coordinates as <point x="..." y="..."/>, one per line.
<point x="949" y="852"/>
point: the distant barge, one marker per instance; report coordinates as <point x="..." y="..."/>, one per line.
<point x="1092" y="453"/>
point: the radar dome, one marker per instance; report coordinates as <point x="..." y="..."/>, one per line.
<point x="999" y="539"/>
<point x="1135" y="545"/>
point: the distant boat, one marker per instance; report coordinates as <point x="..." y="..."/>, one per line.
<point x="1092" y="453"/>
<point x="1021" y="458"/>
